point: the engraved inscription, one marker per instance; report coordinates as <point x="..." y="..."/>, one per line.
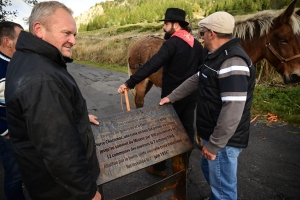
<point x="127" y="142"/>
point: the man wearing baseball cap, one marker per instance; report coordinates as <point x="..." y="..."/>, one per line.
<point x="225" y="84"/>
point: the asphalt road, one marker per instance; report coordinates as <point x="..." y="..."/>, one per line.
<point x="268" y="169"/>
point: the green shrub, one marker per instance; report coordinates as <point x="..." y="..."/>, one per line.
<point x="150" y="28"/>
<point x="128" y="28"/>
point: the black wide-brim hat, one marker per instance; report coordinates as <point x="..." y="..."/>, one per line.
<point x="175" y="15"/>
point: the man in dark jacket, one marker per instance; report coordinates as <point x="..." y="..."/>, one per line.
<point x="180" y="56"/>
<point x="225" y="84"/>
<point x="9" y="32"/>
<point x="46" y="113"/>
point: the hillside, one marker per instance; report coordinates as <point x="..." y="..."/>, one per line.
<point x="124" y="12"/>
<point x="88" y="15"/>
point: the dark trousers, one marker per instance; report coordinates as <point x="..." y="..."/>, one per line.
<point x="12" y="176"/>
<point x="185" y="109"/>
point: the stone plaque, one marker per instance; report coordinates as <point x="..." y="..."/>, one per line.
<point x="129" y="141"/>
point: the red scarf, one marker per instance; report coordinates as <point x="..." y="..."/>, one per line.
<point x="187" y="37"/>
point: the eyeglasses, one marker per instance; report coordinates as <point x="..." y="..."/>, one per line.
<point x="202" y="32"/>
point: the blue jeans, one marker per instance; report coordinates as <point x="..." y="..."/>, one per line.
<point x="221" y="173"/>
<point x="12" y="176"/>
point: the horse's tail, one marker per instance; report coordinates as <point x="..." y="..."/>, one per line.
<point x="132" y="92"/>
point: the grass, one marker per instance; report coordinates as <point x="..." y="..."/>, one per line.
<point x="280" y="100"/>
<point x="103" y="66"/>
<point x="151" y="28"/>
<point x="128" y="28"/>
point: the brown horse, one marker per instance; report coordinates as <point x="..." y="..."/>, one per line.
<point x="140" y="53"/>
<point x="272" y="35"/>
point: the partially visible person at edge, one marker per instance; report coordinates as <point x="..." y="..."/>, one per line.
<point x="180" y="55"/>
<point x="9" y="32"/>
<point x="225" y="84"/>
<point x="47" y="115"/>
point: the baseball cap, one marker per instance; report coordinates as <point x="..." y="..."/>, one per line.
<point x="220" y="22"/>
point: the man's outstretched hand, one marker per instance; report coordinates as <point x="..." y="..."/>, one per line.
<point x="164" y="100"/>
<point x="93" y="119"/>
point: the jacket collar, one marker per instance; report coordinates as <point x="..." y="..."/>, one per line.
<point x="222" y="48"/>
<point x="4" y="57"/>
<point x="29" y="42"/>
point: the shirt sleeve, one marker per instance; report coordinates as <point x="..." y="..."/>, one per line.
<point x="3" y="122"/>
<point x="186" y="88"/>
<point x="152" y="65"/>
<point x="233" y="85"/>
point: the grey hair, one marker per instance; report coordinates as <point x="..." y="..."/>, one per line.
<point x="41" y="12"/>
<point x="224" y="35"/>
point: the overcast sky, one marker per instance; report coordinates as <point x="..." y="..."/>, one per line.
<point x="78" y="7"/>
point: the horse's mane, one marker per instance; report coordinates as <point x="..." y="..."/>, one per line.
<point x="245" y="24"/>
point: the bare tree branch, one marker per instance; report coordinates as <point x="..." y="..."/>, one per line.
<point x="31" y="2"/>
<point x="9" y="15"/>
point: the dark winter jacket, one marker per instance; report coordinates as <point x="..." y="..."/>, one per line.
<point x="48" y="123"/>
<point x="231" y="86"/>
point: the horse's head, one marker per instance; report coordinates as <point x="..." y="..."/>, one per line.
<point x="273" y="35"/>
<point x="283" y="44"/>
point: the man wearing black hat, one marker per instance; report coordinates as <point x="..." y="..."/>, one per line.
<point x="180" y="55"/>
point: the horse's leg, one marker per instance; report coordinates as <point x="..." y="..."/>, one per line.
<point x="149" y="86"/>
<point x="141" y="89"/>
<point x="132" y="93"/>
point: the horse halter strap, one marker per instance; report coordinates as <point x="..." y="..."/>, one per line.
<point x="282" y="60"/>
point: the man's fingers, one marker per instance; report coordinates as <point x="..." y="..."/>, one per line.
<point x="93" y="119"/>
<point x="164" y="100"/>
<point x="95" y="122"/>
<point x="206" y="154"/>
<point x="122" y="88"/>
<point x="97" y="196"/>
<point x="213" y="157"/>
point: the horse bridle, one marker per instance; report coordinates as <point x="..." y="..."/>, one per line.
<point x="282" y="60"/>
